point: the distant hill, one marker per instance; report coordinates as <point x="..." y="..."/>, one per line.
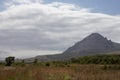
<point x="91" y="45"/>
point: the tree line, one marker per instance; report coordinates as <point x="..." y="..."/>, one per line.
<point x="97" y="59"/>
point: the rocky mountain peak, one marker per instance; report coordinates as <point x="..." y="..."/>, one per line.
<point x="94" y="43"/>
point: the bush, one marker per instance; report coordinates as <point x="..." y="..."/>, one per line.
<point x="47" y="64"/>
<point x="18" y="64"/>
<point x="35" y="61"/>
<point x="9" y="60"/>
<point x="97" y="59"/>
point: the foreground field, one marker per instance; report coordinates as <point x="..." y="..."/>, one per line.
<point x="71" y="72"/>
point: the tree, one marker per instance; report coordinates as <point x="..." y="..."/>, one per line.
<point x="9" y="60"/>
<point x="35" y="61"/>
<point x="23" y="61"/>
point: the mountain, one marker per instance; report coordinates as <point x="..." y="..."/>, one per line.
<point x="91" y="45"/>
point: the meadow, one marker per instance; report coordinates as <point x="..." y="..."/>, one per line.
<point x="60" y="72"/>
<point x="98" y="67"/>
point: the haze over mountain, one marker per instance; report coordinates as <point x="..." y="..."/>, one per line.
<point x="91" y="45"/>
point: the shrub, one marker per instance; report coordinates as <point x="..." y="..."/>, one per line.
<point x="35" y="61"/>
<point x="47" y="64"/>
<point x="9" y="60"/>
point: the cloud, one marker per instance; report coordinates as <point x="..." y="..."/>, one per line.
<point x="26" y="1"/>
<point x="30" y="27"/>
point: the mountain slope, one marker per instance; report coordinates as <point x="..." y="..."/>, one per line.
<point x="91" y="45"/>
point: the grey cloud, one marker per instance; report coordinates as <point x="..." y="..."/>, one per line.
<point x="39" y="26"/>
<point x="26" y="39"/>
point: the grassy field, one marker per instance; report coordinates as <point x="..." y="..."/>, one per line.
<point x="71" y="72"/>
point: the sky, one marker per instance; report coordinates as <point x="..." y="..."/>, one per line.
<point x="39" y="27"/>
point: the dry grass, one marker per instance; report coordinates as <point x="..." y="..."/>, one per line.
<point x="74" y="72"/>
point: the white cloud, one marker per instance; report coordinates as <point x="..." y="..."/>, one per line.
<point x="50" y="27"/>
<point x="26" y="1"/>
<point x="14" y="3"/>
